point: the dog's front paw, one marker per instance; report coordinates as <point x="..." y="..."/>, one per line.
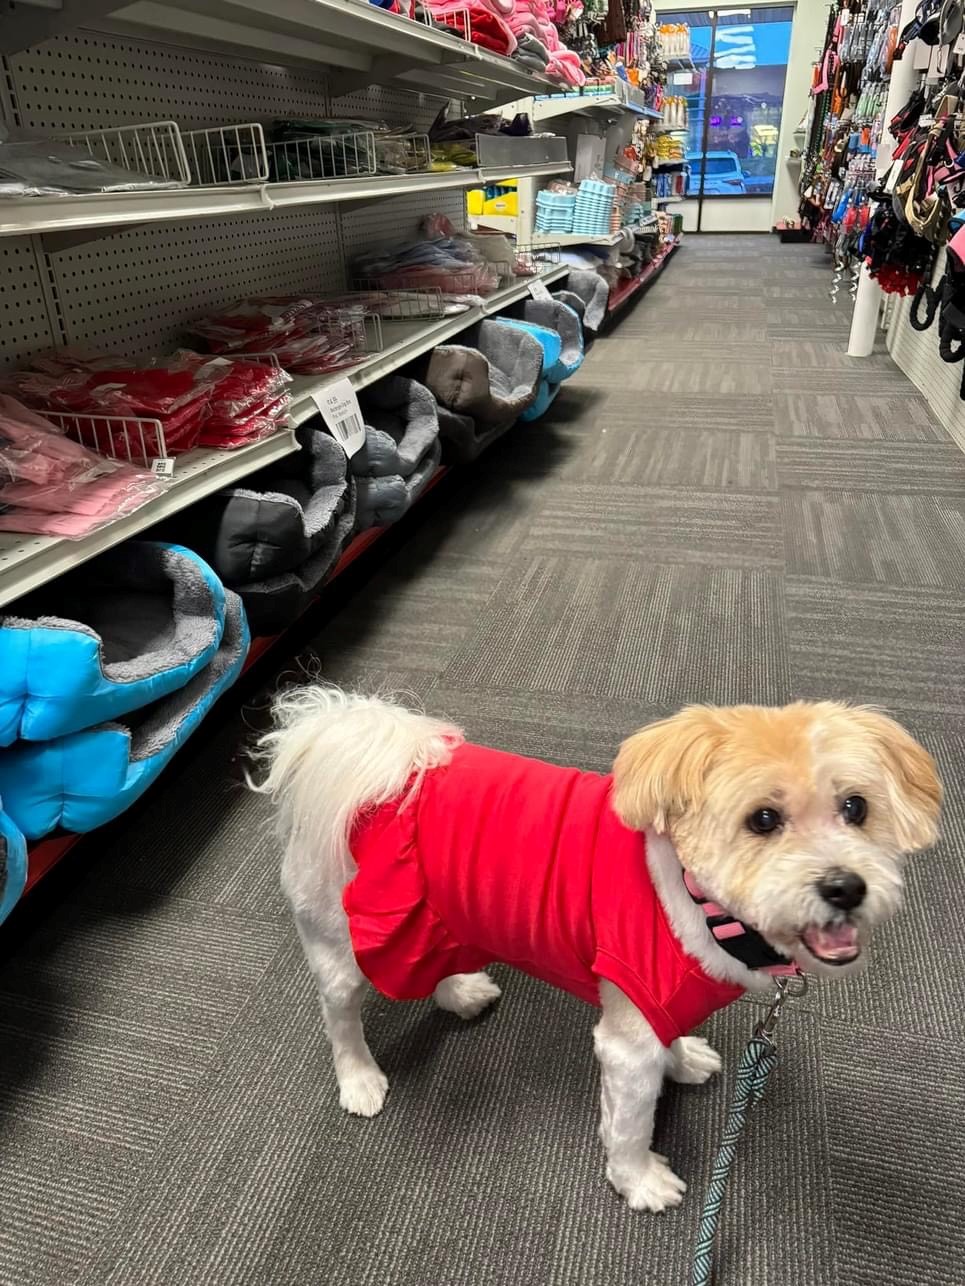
<point x="362" y="1091"/>
<point x="693" y="1061"/>
<point x="653" y="1187"/>
<point x="467" y="994"/>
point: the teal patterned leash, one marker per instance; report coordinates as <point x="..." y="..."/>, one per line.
<point x="757" y="1062"/>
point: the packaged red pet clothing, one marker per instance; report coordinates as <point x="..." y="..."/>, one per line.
<point x="249" y="399"/>
<point x="175" y="396"/>
<point x="304" y="334"/>
<point x="50" y="485"/>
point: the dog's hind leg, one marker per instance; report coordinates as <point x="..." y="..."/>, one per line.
<point x="362" y="1084"/>
<point x="466" y="994"/>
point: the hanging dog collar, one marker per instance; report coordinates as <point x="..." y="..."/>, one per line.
<point x="737" y="939"/>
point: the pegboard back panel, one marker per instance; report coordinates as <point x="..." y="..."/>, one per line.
<point x="25" y="325"/>
<point x="371" y="223"/>
<point x="391" y="105"/>
<point x="916" y="353"/>
<point x="134" y="292"/>
<point x="87" y="81"/>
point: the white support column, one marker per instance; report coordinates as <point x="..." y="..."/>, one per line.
<point x="867" y="303"/>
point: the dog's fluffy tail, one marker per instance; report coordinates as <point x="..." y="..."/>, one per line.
<point x="330" y="755"/>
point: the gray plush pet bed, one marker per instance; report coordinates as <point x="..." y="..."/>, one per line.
<point x="463" y="439"/>
<point x="592" y="292"/>
<point x="401" y="451"/>
<point x="282" y="516"/>
<point x="493" y="377"/>
<point x="556" y="315"/>
<point x="274" y="603"/>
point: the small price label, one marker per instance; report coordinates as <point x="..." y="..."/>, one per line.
<point x="163" y="466"/>
<point x="892" y="178"/>
<point x="538" y="289"/>
<point x="959" y="45"/>
<point x="339" y="408"/>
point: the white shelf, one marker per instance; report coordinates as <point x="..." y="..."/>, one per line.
<point x="120" y="209"/>
<point x="546" y="109"/>
<point x="29" y="561"/>
<point x="366" y="44"/>
<point x="494" y="223"/>
<point x="576" y="239"/>
<point x="407" y="340"/>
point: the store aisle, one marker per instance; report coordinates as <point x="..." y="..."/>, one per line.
<point x="721" y="507"/>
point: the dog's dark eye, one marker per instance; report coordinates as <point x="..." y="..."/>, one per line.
<point x="854" y="810"/>
<point x="764" y="821"/>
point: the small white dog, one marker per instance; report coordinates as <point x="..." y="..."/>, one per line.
<point x="728" y="843"/>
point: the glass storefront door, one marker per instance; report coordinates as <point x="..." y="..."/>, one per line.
<point x="734" y="86"/>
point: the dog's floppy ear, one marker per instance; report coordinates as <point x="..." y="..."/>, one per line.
<point x="661" y="769"/>
<point x="910" y="780"/>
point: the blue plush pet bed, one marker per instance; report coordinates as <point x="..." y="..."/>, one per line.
<point x="13" y="865"/>
<point x="552" y="349"/>
<point x="115" y="634"/>
<point x="86" y="778"/>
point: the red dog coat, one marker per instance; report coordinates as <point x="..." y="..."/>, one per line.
<point x="503" y="858"/>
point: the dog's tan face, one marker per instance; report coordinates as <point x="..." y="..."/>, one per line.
<point x="794" y="820"/>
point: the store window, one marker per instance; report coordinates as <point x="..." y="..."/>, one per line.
<point x="734" y="88"/>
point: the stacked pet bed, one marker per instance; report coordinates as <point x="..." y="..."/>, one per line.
<point x="116" y="634"/>
<point x="13" y="864"/>
<point x="483" y="386"/>
<point x="401" y="451"/>
<point x="587" y="294"/>
<point x="86" y="778"/>
<point x="560" y="334"/>
<point x="273" y="540"/>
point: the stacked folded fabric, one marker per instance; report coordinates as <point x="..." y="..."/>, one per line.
<point x="401" y="451"/>
<point x="533" y="18"/>
<point x="483" y="22"/>
<point x="342" y="147"/>
<point x="307" y="336"/>
<point x="274" y="539"/>
<point x="453" y="139"/>
<point x="52" y="486"/>
<point x="103" y="675"/>
<point x="451" y="265"/>
<point x="197" y="400"/>
<point x="532" y="53"/>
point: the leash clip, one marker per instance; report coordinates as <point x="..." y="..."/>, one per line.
<point x="766" y="1028"/>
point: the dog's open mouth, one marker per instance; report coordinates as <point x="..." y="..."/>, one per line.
<point x="833" y="944"/>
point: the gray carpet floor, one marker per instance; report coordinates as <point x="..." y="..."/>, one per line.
<point x="721" y="507"/>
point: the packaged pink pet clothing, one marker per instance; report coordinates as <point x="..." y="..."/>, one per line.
<point x="50" y="485"/>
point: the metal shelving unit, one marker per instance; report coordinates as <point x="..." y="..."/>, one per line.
<point x="124" y="209"/>
<point x="28" y="561"/>
<point x="366" y="44"/>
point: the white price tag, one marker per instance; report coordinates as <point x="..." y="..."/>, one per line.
<point x="163" y="467"/>
<point x="892" y="178"/>
<point x="339" y="408"/>
<point x="959" y="47"/>
<point x="538" y="289"/>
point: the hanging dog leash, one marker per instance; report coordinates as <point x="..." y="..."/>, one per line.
<point x="757" y="1062"/>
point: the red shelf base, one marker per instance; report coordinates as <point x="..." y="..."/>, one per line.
<point x="626" y="289"/>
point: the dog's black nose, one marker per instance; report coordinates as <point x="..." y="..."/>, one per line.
<point x="843" y="889"/>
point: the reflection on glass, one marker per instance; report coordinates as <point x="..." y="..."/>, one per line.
<point x="735" y="93"/>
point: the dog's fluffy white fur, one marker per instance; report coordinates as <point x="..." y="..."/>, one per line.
<point x="692" y="783"/>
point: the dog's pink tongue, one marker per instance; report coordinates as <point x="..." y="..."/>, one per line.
<point x="836" y="942"/>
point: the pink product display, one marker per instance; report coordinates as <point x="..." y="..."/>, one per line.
<point x="52" y="486"/>
<point x="533" y="18"/>
<point x="307" y="336"/>
<point x="197" y="400"/>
